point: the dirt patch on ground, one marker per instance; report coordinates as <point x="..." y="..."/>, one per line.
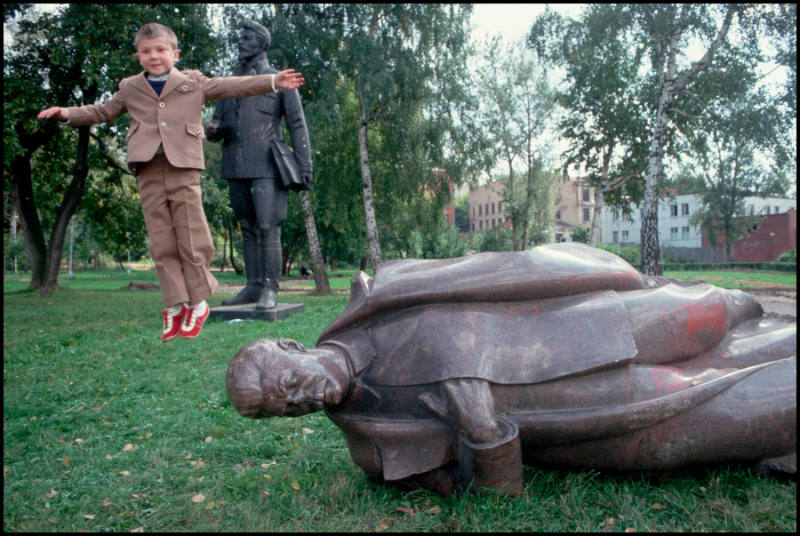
<point x="139" y="285"/>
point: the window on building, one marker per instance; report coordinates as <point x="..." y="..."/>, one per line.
<point x="673" y="210"/>
<point x="625" y="237"/>
<point x="480" y="210"/>
<point x="486" y="208"/>
<point x="473" y="226"/>
<point x="480" y="225"/>
<point x="585" y="194"/>
<point x="616" y="214"/>
<point x="558" y="214"/>
<point x="586" y="214"/>
<point x="776" y="210"/>
<point x="767" y="209"/>
<point x="685" y="232"/>
<point x="751" y="209"/>
<point x="673" y="233"/>
<point x="684" y="209"/>
<point x="492" y="208"/>
<point x="500" y="207"/>
<point x="492" y="223"/>
<point x="615" y="236"/>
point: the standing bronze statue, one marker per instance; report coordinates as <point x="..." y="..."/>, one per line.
<point x="449" y="374"/>
<point x="247" y="128"/>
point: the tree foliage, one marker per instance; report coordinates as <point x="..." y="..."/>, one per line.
<point x="631" y="66"/>
<point x="517" y="110"/>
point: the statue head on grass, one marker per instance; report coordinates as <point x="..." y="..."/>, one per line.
<point x="279" y="378"/>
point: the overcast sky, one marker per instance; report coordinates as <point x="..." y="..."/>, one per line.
<point x="512" y="21"/>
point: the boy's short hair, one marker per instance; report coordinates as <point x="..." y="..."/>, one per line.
<point x="152" y="30"/>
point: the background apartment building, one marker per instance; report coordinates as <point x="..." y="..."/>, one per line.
<point x="486" y="210"/>
<point x="574" y="206"/>
<point x="675" y="229"/>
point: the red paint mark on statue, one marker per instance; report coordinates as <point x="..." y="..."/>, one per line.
<point x="704" y="316"/>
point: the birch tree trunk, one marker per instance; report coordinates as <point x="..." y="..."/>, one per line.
<point x="670" y="85"/>
<point x="594" y="234"/>
<point x="374" y="255"/>
<point x="317" y="266"/>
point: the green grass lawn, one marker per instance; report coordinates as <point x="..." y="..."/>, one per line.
<point x="737" y="279"/>
<point x="106" y="428"/>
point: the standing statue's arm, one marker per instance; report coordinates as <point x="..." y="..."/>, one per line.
<point x="489" y="450"/>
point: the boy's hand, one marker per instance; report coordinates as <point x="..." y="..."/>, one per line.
<point x="54" y="112"/>
<point x="288" y="79"/>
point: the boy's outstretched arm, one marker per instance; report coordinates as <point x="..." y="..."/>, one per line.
<point x="54" y="112"/>
<point x="288" y="79"/>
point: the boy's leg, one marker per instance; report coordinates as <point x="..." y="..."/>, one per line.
<point x="194" y="244"/>
<point x="152" y="180"/>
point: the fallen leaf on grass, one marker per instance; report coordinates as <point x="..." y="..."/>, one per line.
<point x="308" y="431"/>
<point x="267" y="477"/>
<point x="127" y="447"/>
<point x="138" y="529"/>
<point x="79" y="441"/>
<point x="434" y="510"/>
<point x="265" y="493"/>
<point x="109" y="457"/>
<point x="209" y="439"/>
<point x="295" y="486"/>
<point x="106" y="501"/>
<point x="197" y="499"/>
<point x="407" y="510"/>
<point x="51" y="493"/>
<point x="198" y="464"/>
<point x="89" y="516"/>
<point x="124" y="473"/>
<point x="658" y="506"/>
<point x="209" y="506"/>
<point x="383" y="525"/>
<point x="265" y="465"/>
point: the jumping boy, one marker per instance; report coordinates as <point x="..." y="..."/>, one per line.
<point x="165" y="152"/>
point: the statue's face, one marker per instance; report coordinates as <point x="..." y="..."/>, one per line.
<point x="249" y="45"/>
<point x="294" y="386"/>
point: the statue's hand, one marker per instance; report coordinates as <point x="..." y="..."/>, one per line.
<point x="468" y="406"/>
<point x="213" y="131"/>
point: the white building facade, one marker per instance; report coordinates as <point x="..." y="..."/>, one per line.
<point x="674" y="216"/>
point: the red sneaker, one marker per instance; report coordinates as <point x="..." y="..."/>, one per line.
<point x="172" y="323"/>
<point x="193" y="321"/>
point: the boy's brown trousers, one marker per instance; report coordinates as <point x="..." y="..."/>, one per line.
<point x="180" y="241"/>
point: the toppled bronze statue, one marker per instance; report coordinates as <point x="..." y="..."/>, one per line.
<point x="449" y="374"/>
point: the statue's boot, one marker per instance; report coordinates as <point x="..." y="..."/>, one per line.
<point x="273" y="260"/>
<point x="252" y="291"/>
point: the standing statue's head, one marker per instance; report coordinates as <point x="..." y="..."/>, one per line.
<point x="271" y="377"/>
<point x="254" y="39"/>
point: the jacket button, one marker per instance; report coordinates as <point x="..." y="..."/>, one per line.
<point x="161" y="104"/>
<point x="163" y="125"/>
<point x="185" y="88"/>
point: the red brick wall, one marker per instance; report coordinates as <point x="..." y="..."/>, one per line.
<point x="775" y="234"/>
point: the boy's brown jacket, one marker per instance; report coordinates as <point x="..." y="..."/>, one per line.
<point x="172" y="119"/>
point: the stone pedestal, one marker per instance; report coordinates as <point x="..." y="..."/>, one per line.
<point x="248" y="310"/>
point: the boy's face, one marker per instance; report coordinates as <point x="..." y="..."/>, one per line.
<point x="156" y="55"/>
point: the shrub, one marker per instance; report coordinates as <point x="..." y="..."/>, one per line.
<point x="788" y="256"/>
